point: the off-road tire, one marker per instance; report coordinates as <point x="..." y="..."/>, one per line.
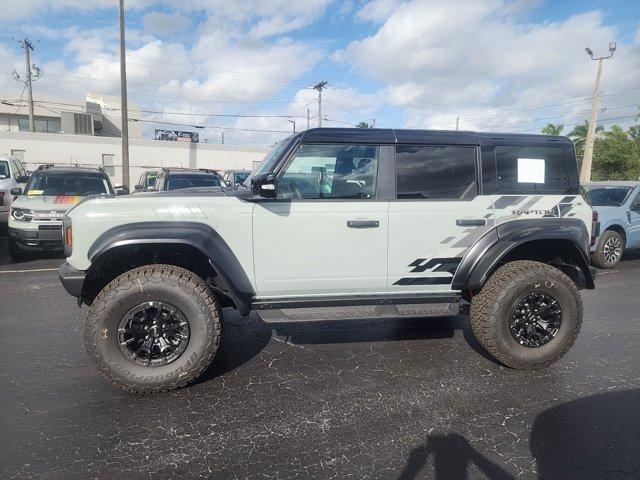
<point x="491" y="311"/>
<point x="598" y="257"/>
<point x="166" y="283"/>
<point x="15" y="251"/>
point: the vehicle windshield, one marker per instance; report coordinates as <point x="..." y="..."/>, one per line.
<point x="608" y="196"/>
<point x="76" y="184"/>
<point x="178" y="181"/>
<point x="272" y="158"/>
<point x="4" y="170"/>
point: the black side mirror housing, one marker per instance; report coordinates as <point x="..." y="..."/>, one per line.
<point x="138" y="188"/>
<point x="264" y="185"/>
<point x="22" y="178"/>
<point x="635" y="206"/>
<point x="15" y="191"/>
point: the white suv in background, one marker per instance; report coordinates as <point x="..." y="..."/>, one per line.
<point x="12" y="174"/>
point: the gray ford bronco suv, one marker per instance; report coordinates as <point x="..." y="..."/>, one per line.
<point x="352" y="222"/>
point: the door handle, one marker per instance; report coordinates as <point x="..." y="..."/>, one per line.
<point x="363" y="223"/>
<point x="471" y="222"/>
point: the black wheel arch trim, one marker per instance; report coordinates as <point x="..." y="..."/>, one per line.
<point x="195" y="234"/>
<point x="483" y="256"/>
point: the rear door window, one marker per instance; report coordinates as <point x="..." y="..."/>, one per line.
<point x="527" y="169"/>
<point x="436" y="172"/>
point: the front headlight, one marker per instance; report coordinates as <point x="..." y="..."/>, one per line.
<point x="22" y="214"/>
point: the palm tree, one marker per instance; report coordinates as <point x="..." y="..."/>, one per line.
<point x="579" y="136"/>
<point x="552" y="129"/>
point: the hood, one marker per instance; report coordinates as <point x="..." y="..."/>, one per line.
<point x="60" y="203"/>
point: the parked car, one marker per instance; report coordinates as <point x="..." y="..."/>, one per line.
<point x="234" y="178"/>
<point x="179" y="178"/>
<point x="618" y="207"/>
<point x="35" y="222"/>
<point x="410" y="223"/>
<point x="12" y="175"/>
<point x="147" y="181"/>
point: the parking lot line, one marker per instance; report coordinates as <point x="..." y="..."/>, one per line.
<point x="30" y="270"/>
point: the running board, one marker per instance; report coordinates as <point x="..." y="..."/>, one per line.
<point x="357" y="312"/>
<point x="353" y="300"/>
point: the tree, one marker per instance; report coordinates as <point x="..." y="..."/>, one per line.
<point x="552" y="129"/>
<point x="364" y="125"/>
<point x="616" y="154"/>
<point x="579" y="136"/>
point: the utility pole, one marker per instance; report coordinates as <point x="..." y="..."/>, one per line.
<point x="587" y="159"/>
<point x="307" y="119"/>
<point x="123" y="101"/>
<point x="27" y="46"/>
<point x="222" y="137"/>
<point x="457" y="123"/>
<point x="319" y="86"/>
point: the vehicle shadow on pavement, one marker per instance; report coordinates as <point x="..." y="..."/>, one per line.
<point x="245" y="338"/>
<point x="452" y="455"/>
<point x="594" y="437"/>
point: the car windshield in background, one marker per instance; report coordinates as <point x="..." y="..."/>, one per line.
<point x="68" y="184"/>
<point x="4" y="170"/>
<point x="608" y="196"/>
<point x="176" y="182"/>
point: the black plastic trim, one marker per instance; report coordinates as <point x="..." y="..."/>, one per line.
<point x="352" y="300"/>
<point x="72" y="280"/>
<point x="486" y="253"/>
<point x="197" y="235"/>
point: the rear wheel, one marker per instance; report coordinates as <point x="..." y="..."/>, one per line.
<point x="527" y="315"/>
<point x="153" y="329"/>
<point x="610" y="250"/>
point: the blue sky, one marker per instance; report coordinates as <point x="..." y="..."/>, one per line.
<point x="497" y="64"/>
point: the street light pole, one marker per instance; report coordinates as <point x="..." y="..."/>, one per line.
<point x="587" y="159"/>
<point x="123" y="102"/>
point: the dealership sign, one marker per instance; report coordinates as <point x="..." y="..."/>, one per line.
<point x="177" y="136"/>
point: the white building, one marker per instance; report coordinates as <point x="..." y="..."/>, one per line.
<point x="88" y="134"/>
<point x="64" y="149"/>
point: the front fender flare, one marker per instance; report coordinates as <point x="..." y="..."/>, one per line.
<point x="195" y="234"/>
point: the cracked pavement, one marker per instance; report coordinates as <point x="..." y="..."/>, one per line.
<point x="405" y="399"/>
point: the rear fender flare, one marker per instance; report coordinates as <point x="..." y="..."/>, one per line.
<point x="484" y="256"/>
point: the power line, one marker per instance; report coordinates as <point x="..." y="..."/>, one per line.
<point x="580" y="123"/>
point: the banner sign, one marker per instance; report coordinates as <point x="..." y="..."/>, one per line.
<point x="177" y="136"/>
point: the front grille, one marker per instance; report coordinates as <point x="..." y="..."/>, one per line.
<point x="52" y="216"/>
<point x="49" y="227"/>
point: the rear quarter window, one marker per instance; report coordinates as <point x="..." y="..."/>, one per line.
<point x="532" y="169"/>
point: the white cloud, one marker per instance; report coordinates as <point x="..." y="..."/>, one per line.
<point x="483" y="54"/>
<point x="161" y="24"/>
<point x="16" y="10"/>
<point x="377" y="10"/>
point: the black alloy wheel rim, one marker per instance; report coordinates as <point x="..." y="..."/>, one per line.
<point x="153" y="334"/>
<point x="535" y="320"/>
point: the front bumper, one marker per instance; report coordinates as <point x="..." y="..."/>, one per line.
<point x="72" y="280"/>
<point x="46" y="237"/>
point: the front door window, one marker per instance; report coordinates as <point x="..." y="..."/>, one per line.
<point x="331" y="171"/>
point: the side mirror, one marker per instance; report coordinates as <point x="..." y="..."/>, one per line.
<point x="15" y="191"/>
<point x="22" y="178"/>
<point x="264" y="185"/>
<point x="635" y="206"/>
<point x="138" y="188"/>
<point x="121" y="191"/>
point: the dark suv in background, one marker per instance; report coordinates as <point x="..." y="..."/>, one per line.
<point x="178" y="178"/>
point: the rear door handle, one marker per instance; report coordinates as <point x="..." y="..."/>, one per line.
<point x="363" y="223"/>
<point x="471" y="222"/>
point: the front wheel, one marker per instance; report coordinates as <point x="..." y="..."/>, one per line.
<point x="153" y="329"/>
<point x="527" y="315"/>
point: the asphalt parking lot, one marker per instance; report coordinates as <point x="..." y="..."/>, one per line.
<point x="353" y="399"/>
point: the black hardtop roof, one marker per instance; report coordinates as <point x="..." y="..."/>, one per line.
<point x="190" y="171"/>
<point x="392" y="136"/>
